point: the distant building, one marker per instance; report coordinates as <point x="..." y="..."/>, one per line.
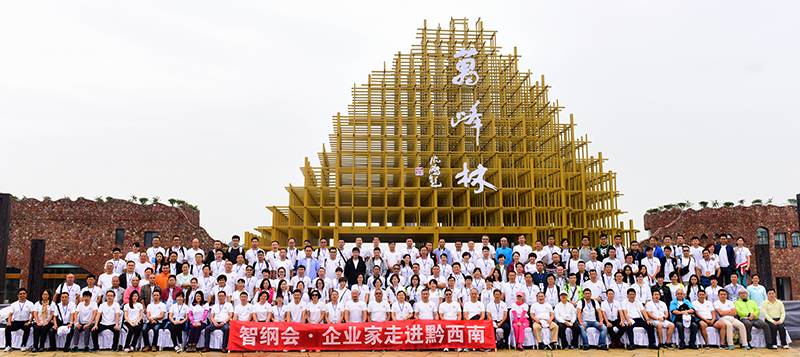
<point x="79" y="235"/>
<point x="771" y="232"/>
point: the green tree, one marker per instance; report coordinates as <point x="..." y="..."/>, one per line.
<point x="728" y="204"/>
<point x="703" y="204"/>
<point x="144" y="200"/>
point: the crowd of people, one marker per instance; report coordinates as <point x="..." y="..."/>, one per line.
<point x="659" y="285"/>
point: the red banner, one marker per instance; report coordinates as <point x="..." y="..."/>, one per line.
<point x="390" y="335"/>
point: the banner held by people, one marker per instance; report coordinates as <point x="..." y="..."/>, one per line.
<point x="390" y="335"/>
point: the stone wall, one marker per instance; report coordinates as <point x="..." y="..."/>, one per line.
<point x="82" y="232"/>
<point x="740" y="221"/>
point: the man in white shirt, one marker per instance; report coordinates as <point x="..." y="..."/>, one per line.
<point x="614" y="324"/>
<point x="379" y="308"/>
<point x="566" y="317"/>
<point x="251" y="255"/>
<point x="20" y="318"/>
<point x="705" y="312"/>
<point x="104" y="280"/>
<point x="425" y="309"/>
<point x="449" y="309"/>
<point x="69" y="287"/>
<point x="192" y="252"/>
<point x="154" y="249"/>
<point x="498" y="312"/>
<point x="220" y="317"/>
<point x="590" y="316"/>
<point x="658" y="313"/>
<point x="84" y="317"/>
<point x="142" y="264"/>
<point x="652" y="264"/>
<point x="156" y="313"/>
<point x="727" y="314"/>
<point x="355" y="310"/>
<point x="133" y="255"/>
<point x="634" y="315"/>
<point x="523" y="249"/>
<point x="542" y="316"/>
<point x="116" y="261"/>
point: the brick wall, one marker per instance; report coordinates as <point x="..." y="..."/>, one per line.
<point x="82" y="232"/>
<point x="740" y="221"/>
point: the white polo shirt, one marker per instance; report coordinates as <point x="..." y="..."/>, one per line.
<point x="378" y="311"/>
<point x="449" y="310"/>
<point x="704" y="309"/>
<point x="425" y="310"/>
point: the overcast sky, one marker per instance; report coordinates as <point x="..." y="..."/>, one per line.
<point x="217" y="103"/>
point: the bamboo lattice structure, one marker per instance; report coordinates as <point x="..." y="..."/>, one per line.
<point x="547" y="180"/>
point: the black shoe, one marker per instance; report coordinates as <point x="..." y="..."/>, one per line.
<point x="682" y="347"/>
<point x="630" y="347"/>
<point x="585" y="348"/>
<point x="652" y="347"/>
<point x="604" y="347"/>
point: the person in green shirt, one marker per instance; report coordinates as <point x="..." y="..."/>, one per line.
<point x="748" y="311"/>
<point x="774" y="316"/>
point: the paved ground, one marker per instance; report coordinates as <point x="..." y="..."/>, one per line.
<point x="794" y="352"/>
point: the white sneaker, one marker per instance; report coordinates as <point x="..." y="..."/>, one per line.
<point x="24" y="349"/>
<point x="785" y="347"/>
<point x="446" y="350"/>
<point x="7" y="349"/>
<point x="178" y="349"/>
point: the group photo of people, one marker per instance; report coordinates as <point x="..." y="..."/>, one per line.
<point x="549" y="295"/>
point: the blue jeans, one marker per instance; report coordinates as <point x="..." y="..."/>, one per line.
<point x="600" y="327"/>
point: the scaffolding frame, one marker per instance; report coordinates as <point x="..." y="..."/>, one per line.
<point x="547" y="180"/>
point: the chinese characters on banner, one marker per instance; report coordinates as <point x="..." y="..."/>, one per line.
<point x="390" y="335"/>
<point x="467" y="75"/>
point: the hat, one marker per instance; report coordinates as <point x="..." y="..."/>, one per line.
<point x="520" y="293"/>
<point x="563" y="293"/>
<point x="62" y="330"/>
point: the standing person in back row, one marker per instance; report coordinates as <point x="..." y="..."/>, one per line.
<point x="354" y="267"/>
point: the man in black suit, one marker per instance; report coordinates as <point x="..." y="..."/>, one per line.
<point x="210" y="254"/>
<point x="727" y="258"/>
<point x="128" y="275"/>
<point x="354" y="266"/>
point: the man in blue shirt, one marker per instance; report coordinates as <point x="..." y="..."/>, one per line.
<point x="683" y="316"/>
<point x="504" y="250"/>
<point x="438" y="252"/>
<point x="309" y="262"/>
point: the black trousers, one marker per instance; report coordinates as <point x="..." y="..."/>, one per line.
<point x="40" y="334"/>
<point x="134" y="333"/>
<point x="18" y="325"/>
<point x="616" y="331"/>
<point x="725" y="275"/>
<point x="101" y="328"/>
<point x="506" y="327"/>
<point x="562" y="333"/>
<point x="679" y="325"/>
<point x="777" y="331"/>
<point x="651" y="336"/>
<point x="68" y="341"/>
<point x="176" y="332"/>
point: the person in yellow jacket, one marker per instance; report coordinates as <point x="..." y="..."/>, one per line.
<point x="774" y="316"/>
<point x="748" y="312"/>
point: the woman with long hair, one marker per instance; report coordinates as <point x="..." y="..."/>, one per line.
<point x="693" y="287"/>
<point x="265" y="287"/>
<point x="198" y="315"/>
<point x="319" y="286"/>
<point x="405" y="266"/>
<point x="283" y="290"/>
<point x="628" y="276"/>
<point x="262" y="308"/>
<point x="133" y="312"/>
<point x="44" y="317"/>
<point x="414" y="289"/>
